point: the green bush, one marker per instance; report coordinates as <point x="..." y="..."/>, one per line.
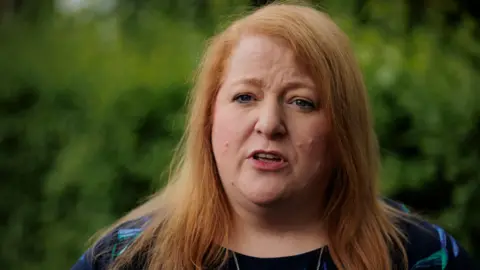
<point x="427" y="117"/>
<point x="89" y="121"/>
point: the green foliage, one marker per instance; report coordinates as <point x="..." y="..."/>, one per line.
<point x="92" y="109"/>
<point x="89" y="121"/>
<point x="427" y="113"/>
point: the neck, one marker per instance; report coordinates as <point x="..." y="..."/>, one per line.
<point x="281" y="229"/>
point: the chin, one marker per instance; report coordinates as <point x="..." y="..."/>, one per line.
<point x="263" y="199"/>
<point x="262" y="192"/>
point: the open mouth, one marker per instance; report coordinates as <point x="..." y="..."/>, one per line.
<point x="267" y="157"/>
<point x="268" y="161"/>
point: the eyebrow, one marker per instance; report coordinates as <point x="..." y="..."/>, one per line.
<point x="297" y="84"/>
<point x="250" y="81"/>
<point x="260" y="84"/>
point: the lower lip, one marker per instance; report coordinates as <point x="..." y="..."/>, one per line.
<point x="268" y="165"/>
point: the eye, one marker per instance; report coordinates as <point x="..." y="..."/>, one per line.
<point x="303" y="104"/>
<point x="243" y="98"/>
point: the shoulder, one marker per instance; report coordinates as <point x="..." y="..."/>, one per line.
<point x="430" y="246"/>
<point x="106" y="249"/>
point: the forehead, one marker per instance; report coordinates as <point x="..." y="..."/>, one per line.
<point x="258" y="45"/>
<point x="255" y="55"/>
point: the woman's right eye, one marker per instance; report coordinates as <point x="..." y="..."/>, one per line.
<point x="243" y="98"/>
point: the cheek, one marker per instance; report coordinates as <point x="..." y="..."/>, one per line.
<point x="312" y="146"/>
<point x="225" y="130"/>
<point x="230" y="128"/>
<point x="305" y="143"/>
<point x="312" y="142"/>
<point x="220" y="137"/>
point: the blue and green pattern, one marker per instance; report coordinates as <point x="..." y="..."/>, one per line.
<point x="440" y="257"/>
<point x="429" y="247"/>
<point x="437" y="259"/>
<point x="125" y="238"/>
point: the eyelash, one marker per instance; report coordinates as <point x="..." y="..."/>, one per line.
<point x="307" y="105"/>
<point x="236" y="98"/>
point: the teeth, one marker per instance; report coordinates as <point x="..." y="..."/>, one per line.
<point x="267" y="156"/>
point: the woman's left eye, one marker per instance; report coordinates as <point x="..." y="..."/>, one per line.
<point x="304" y="104"/>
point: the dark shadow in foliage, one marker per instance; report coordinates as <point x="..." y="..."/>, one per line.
<point x="396" y="140"/>
<point x="150" y="127"/>
<point x="155" y="123"/>
<point x="471" y="222"/>
<point x="433" y="198"/>
<point x="19" y="193"/>
<point x="25" y="98"/>
<point x="361" y="12"/>
<point x="22" y="170"/>
<point x="259" y="3"/>
<point x="128" y="189"/>
<point x="395" y="137"/>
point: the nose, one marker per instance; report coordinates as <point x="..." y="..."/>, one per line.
<point x="270" y="122"/>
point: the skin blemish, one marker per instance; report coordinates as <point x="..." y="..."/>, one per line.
<point x="225" y="146"/>
<point x="305" y="144"/>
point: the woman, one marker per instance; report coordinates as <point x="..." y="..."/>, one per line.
<point x="278" y="168"/>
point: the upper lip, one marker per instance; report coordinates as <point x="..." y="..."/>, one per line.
<point x="272" y="152"/>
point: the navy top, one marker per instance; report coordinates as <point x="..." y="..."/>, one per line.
<point x="429" y="247"/>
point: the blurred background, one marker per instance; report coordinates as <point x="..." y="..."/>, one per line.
<point x="92" y="104"/>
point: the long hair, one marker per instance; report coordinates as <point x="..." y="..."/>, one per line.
<point x="191" y="217"/>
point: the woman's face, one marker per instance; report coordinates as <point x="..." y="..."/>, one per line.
<point x="269" y="129"/>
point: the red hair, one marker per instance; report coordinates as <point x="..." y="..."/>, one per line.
<point x="191" y="215"/>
